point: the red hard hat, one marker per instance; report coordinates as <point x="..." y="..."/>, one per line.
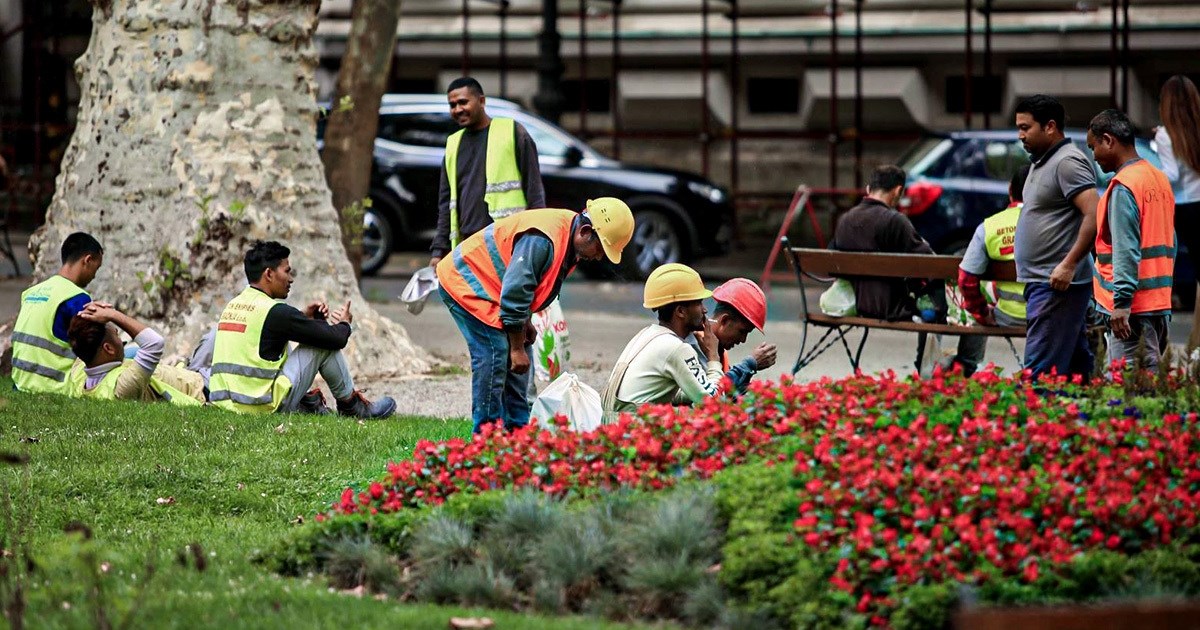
<point x="746" y="297"/>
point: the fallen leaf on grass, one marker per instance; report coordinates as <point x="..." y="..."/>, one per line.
<point x="241" y="486"/>
<point x="165" y="501"/>
<point x="281" y="428"/>
<point x="471" y="623"/>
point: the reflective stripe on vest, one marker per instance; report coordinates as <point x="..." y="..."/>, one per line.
<point x="106" y="389"/>
<point x="473" y="273"/>
<point x="242" y="380"/>
<point x="40" y="360"/>
<point x="999" y="231"/>
<point x="1156" y="207"/>
<point x="502" y="191"/>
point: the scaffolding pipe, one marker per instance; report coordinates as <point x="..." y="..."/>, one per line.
<point x="987" y="61"/>
<point x="858" y="95"/>
<point x="1112" y="57"/>
<point x="466" y="39"/>
<point x="968" y="70"/>
<point x="833" y="94"/>
<point x="1125" y="56"/>
<point x="583" y="62"/>
<point x="504" y="48"/>
<point x="734" y="91"/>
<point x="704" y="69"/>
<point x="614" y="90"/>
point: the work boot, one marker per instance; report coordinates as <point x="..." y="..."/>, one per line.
<point x="313" y="403"/>
<point x="357" y="406"/>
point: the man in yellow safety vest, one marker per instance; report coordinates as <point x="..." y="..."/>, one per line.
<point x="993" y="240"/>
<point x="41" y="353"/>
<point x="490" y="171"/>
<point x="254" y="370"/>
<point x="103" y="372"/>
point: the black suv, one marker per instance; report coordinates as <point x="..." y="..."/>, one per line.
<point x="680" y="216"/>
<point x="958" y="179"/>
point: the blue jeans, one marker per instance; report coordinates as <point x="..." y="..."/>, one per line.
<point x="497" y="393"/>
<point x="1056" y="337"/>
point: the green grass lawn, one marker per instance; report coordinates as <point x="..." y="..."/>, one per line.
<point x="238" y="483"/>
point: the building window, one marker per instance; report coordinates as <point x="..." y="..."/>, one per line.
<point x="597" y="93"/>
<point x="773" y="95"/>
<point x="986" y="95"/>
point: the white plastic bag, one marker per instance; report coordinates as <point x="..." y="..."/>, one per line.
<point x="552" y="345"/>
<point x="423" y="283"/>
<point x="838" y="300"/>
<point x="572" y="398"/>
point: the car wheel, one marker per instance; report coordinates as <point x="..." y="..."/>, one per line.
<point x="377" y="242"/>
<point x="655" y="242"/>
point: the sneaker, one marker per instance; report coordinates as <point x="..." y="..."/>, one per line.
<point x="357" y="406"/>
<point x="314" y="403"/>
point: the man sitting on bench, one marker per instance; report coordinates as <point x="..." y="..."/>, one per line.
<point x="993" y="240"/>
<point x="874" y="225"/>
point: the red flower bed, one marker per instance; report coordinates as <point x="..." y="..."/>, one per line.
<point x="902" y="482"/>
<point x="1010" y="485"/>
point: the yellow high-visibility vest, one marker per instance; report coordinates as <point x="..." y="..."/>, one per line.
<point x="241" y="380"/>
<point x="40" y="361"/>
<point x="999" y="233"/>
<point x="503" y="193"/>
<point x="106" y="389"/>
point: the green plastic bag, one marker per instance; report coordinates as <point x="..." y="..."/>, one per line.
<point x="838" y="299"/>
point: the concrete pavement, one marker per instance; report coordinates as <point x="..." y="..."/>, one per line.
<point x="602" y="317"/>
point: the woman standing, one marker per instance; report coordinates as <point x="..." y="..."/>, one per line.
<point x="1179" y="149"/>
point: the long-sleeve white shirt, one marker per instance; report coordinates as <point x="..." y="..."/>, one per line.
<point x="1184" y="180"/>
<point x="666" y="369"/>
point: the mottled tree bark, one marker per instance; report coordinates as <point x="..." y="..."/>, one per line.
<point x="350" y="133"/>
<point x="196" y="136"/>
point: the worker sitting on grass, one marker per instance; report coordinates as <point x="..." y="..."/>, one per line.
<point x="658" y="365"/>
<point x="253" y="370"/>
<point x="102" y="373"/>
<point x="41" y="354"/>
<point x="741" y="308"/>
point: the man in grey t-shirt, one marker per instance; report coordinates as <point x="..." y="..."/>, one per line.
<point x="1054" y="239"/>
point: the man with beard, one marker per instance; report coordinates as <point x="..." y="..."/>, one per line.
<point x="1053" y="242"/>
<point x="253" y="368"/>
<point x="658" y="365"/>
<point x="490" y="172"/>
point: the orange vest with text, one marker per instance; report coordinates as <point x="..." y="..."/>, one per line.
<point x="473" y="273"/>
<point x="1156" y="205"/>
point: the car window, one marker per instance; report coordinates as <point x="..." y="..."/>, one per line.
<point x="549" y="143"/>
<point x="920" y="158"/>
<point x="968" y="160"/>
<point x="1003" y="158"/>
<point x="417" y="129"/>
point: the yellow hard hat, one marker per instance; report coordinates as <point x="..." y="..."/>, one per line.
<point x="671" y="283"/>
<point x="613" y="223"/>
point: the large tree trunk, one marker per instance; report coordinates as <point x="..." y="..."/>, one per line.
<point x="196" y="136"/>
<point x="350" y="133"/>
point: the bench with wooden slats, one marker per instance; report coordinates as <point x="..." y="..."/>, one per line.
<point x="823" y="266"/>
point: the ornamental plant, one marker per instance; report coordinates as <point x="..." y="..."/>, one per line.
<point x="897" y="484"/>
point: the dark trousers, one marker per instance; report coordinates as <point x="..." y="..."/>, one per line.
<point x="1056" y="337"/>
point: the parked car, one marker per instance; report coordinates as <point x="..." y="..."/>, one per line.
<point x="957" y="179"/>
<point x="680" y="216"/>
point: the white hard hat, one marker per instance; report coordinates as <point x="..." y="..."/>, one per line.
<point x="423" y="282"/>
